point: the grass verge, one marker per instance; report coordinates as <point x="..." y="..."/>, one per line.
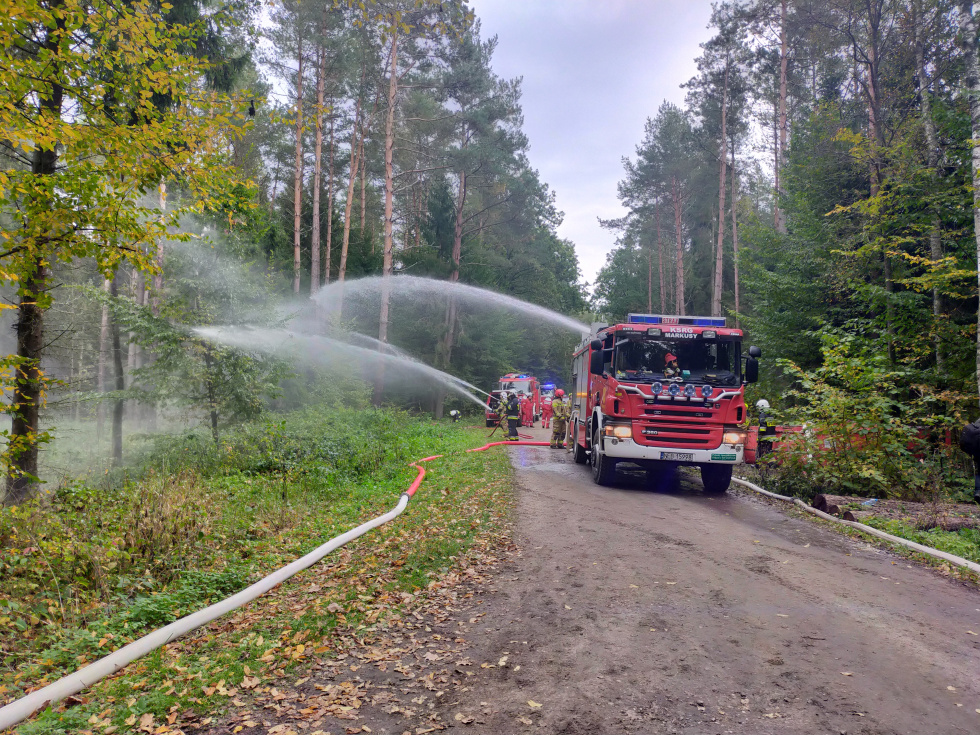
<point x="256" y="509"/>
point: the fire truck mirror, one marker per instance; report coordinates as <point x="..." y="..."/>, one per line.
<point x="751" y="370"/>
<point x="596" y="344"/>
<point x="596" y="361"/>
<point x="755" y="351"/>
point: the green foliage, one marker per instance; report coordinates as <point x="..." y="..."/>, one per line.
<point x="964" y="543"/>
<point x="863" y="432"/>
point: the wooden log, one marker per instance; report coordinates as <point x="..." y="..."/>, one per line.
<point x="857" y="515"/>
<point x="831" y="503"/>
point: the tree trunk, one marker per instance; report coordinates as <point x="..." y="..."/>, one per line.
<point x="118" y="406"/>
<point x="968" y="31"/>
<point x="363" y="162"/>
<point x="28" y="389"/>
<point x="650" y="278"/>
<point x="212" y="398"/>
<point x="298" y="175"/>
<point x="877" y="142"/>
<point x="326" y="259"/>
<point x="719" y="279"/>
<point x="388" y="267"/>
<point x="348" y="205"/>
<point x="103" y="360"/>
<point x="317" y="171"/>
<point x="660" y="264"/>
<point x="679" y="235"/>
<point x="932" y="142"/>
<point x="457" y="256"/>
<point x="781" y="148"/>
<point x="157" y="294"/>
<point x="134" y="358"/>
<point x="738" y="305"/>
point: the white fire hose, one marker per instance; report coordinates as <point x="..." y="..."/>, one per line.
<point x="951" y="558"/>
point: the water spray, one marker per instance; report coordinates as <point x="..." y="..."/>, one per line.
<point x="331" y="298"/>
<point x="324" y="350"/>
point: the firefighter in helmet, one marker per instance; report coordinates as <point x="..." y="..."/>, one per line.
<point x="767" y="428"/>
<point x="560" y="409"/>
<point x="513" y="417"/>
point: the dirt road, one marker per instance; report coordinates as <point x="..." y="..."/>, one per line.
<point x="638" y="610"/>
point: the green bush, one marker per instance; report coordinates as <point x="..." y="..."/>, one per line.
<point x="865" y="430"/>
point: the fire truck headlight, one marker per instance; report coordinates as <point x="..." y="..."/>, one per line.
<point x="734" y="437"/>
<point x="657" y="388"/>
<point x="689" y="391"/>
<point x="706" y="391"/>
<point x="620" y="431"/>
<point x="674" y="389"/>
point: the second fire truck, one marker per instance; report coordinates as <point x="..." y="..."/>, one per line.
<point x="660" y="390"/>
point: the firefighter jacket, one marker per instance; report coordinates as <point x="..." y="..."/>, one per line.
<point x="561" y="408"/>
<point x="513" y="408"/>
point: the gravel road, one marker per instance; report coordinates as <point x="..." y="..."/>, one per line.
<point x="631" y="609"/>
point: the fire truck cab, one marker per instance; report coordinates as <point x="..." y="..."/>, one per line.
<point x="514" y="383"/>
<point x="662" y="389"/>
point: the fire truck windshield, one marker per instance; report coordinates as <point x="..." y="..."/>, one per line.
<point x="644" y="359"/>
<point x="518" y="385"/>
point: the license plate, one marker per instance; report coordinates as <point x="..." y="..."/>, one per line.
<point x="677" y="456"/>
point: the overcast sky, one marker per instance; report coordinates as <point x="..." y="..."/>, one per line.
<point x="594" y="71"/>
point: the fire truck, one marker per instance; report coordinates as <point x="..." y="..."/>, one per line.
<point x="661" y="390"/>
<point x="511" y="383"/>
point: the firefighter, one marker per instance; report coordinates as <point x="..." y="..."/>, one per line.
<point x="560" y="409"/>
<point x="527" y="412"/>
<point x="546" y="412"/>
<point x="767" y="428"/>
<point x="970" y="443"/>
<point x="513" y="417"/>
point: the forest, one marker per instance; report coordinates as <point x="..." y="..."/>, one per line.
<point x="819" y="187"/>
<point x="255" y="256"/>
<point x="223" y="171"/>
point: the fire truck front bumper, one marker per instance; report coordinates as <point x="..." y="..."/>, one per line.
<point x="629" y="450"/>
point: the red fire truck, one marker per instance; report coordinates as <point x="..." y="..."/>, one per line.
<point x="662" y="389"/>
<point x="511" y="383"/>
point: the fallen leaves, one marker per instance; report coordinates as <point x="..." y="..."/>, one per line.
<point x="534" y="705"/>
<point x="846" y="673"/>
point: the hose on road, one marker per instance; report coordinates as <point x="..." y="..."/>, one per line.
<point x="936" y="553"/>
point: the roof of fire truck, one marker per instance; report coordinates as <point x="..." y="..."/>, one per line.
<point x="661" y="325"/>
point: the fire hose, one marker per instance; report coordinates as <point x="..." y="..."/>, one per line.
<point x="26" y="706"/>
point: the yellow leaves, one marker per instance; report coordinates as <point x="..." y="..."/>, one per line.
<point x="534" y="705"/>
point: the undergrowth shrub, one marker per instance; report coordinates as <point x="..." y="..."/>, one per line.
<point x="184" y="524"/>
<point x="867" y="428"/>
<point x="165" y="525"/>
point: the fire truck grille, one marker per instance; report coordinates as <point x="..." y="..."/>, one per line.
<point x="651" y="432"/>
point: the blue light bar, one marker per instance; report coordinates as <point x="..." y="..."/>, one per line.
<point x="688" y="321"/>
<point x="548" y="386"/>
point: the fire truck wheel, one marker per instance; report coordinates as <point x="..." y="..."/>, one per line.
<point x="578" y="453"/>
<point x="603" y="468"/>
<point x="716" y="478"/>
